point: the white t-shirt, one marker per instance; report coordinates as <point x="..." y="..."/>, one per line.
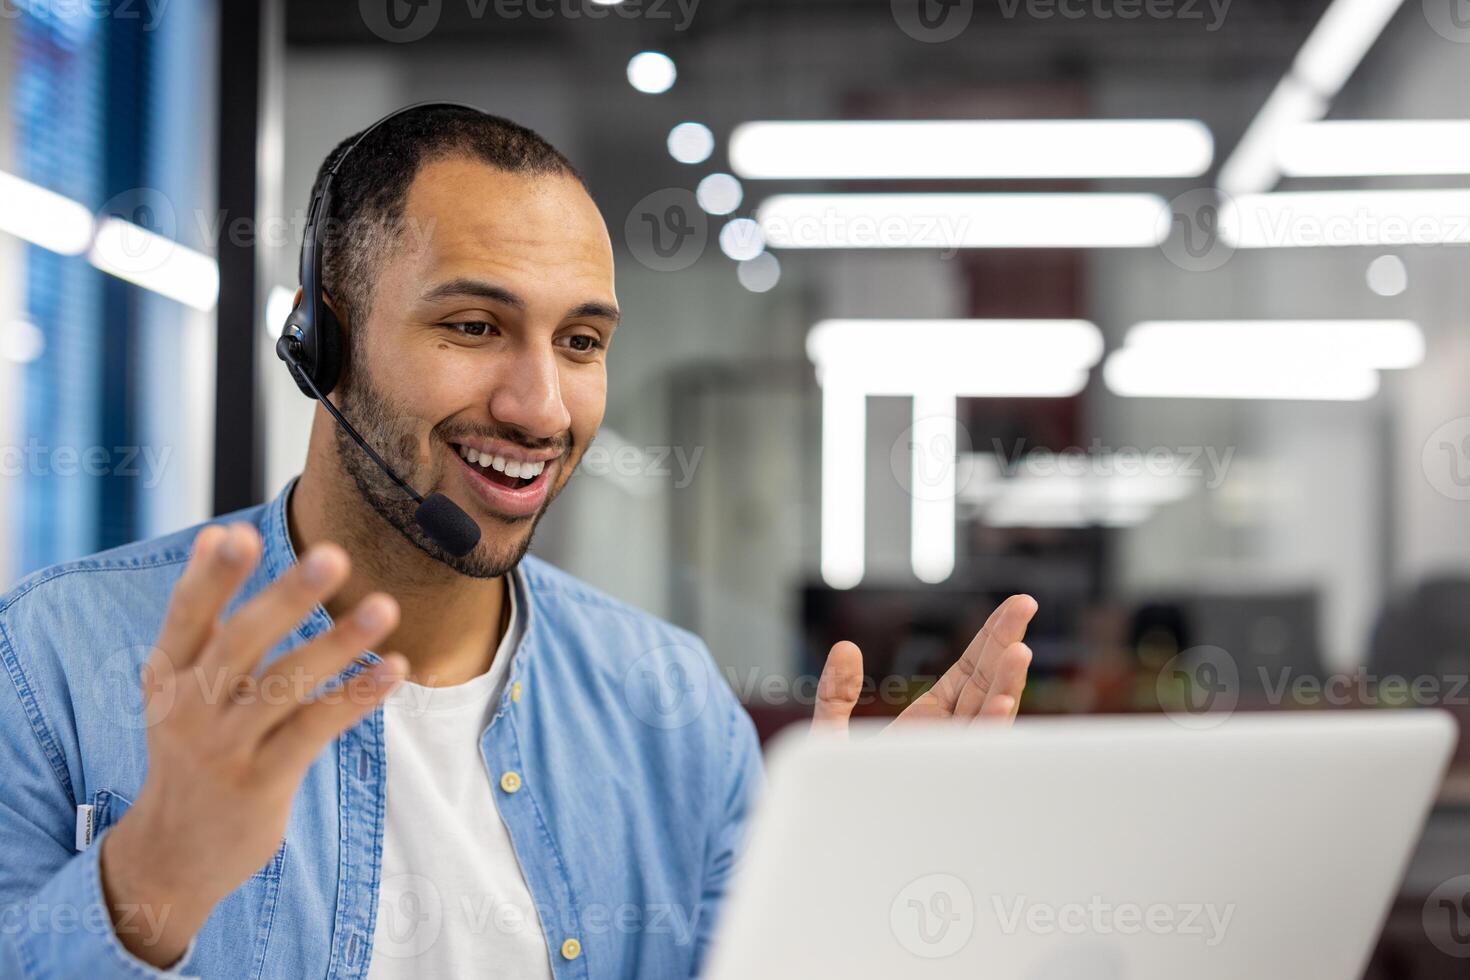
<point x="452" y="901"/>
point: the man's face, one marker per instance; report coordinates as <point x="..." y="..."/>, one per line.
<point x="481" y="367"/>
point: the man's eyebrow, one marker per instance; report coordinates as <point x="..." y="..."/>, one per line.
<point x="474" y="287"/>
<point x="595" y="310"/>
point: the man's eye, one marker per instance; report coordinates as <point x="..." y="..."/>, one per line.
<point x="471" y="328"/>
<point x="584" y="343"/>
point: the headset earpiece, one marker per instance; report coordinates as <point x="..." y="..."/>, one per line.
<point x="329" y="348"/>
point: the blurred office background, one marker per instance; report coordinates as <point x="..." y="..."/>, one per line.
<point x="1271" y="506"/>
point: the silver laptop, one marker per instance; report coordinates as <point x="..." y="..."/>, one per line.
<point x="1084" y="849"/>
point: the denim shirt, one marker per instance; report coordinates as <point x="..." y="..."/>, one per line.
<point x="635" y="769"/>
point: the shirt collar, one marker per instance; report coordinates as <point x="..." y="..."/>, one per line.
<point x="279" y="554"/>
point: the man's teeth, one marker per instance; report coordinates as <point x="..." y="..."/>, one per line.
<point x="515" y="469"/>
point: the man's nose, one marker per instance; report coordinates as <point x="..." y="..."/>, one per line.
<point x="528" y="395"/>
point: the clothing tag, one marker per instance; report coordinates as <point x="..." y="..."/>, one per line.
<point x="84" y="826"/>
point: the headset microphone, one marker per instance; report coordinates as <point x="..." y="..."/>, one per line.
<point x="437" y="516"/>
<point x="311" y="346"/>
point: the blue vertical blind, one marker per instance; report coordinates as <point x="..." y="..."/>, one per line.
<point x="108" y="111"/>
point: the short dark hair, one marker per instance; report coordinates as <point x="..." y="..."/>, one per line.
<point x="369" y="192"/>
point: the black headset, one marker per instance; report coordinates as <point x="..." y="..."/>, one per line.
<point x="312" y="336"/>
<point x="312" y="341"/>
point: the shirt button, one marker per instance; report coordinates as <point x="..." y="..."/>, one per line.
<point x="510" y="781"/>
<point x="515" y="691"/>
<point x="571" y="949"/>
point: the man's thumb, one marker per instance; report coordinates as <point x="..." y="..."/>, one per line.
<point x="838" y="689"/>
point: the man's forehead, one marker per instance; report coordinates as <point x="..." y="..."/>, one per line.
<point x="465" y="195"/>
<point x="460" y="213"/>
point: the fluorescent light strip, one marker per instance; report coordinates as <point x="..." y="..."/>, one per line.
<point x="951" y="221"/>
<point x="1252" y="167"/>
<point x="1375" y="148"/>
<point x="977" y="358"/>
<point x="43" y="217"/>
<point x="1143" y="373"/>
<point x="1074" y="489"/>
<point x="115" y="246"/>
<point x="1294" y="360"/>
<point x="844" y="484"/>
<point x="154" y="262"/>
<point x="1335" y="219"/>
<point x="933" y="361"/>
<point x="1332" y="52"/>
<point x="971" y="149"/>
<point x="933" y="460"/>
<point x="1340" y="42"/>
<point x="1388" y="344"/>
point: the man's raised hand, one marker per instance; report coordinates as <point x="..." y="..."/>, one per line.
<point x="985" y="684"/>
<point x="229" y="742"/>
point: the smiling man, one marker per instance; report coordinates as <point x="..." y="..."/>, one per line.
<point x="537" y="780"/>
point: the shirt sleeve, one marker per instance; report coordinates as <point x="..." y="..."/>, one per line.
<point x="742" y="786"/>
<point x="54" y="922"/>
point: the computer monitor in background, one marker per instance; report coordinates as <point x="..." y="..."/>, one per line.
<point x="1272" y="637"/>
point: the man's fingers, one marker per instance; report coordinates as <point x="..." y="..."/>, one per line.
<point x="223" y="558"/>
<point x="838" y="688"/>
<point x="294" y="744"/>
<point x="1005" y="627"/>
<point x="266" y="619"/>
<point x="998" y="710"/>
<point x="1004" y="697"/>
<point x="285" y="685"/>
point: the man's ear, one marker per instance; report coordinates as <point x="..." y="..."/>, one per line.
<point x="296" y="300"/>
<point x="336" y="310"/>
